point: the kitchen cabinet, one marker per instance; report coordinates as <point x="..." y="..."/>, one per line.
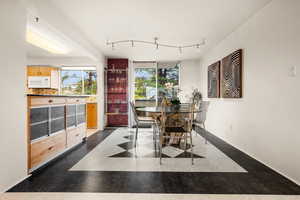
<point x="91" y="115"/>
<point x="39" y="70"/>
<point x="52" y="72"/>
<point x="56" y="124"/>
<point x="47" y="148"/>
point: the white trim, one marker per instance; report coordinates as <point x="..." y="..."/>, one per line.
<point x="17" y="182"/>
<point x="276" y="170"/>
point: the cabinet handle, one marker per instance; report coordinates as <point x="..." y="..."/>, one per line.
<point x="77" y="100"/>
<point x="50" y="148"/>
<point x="50" y="101"/>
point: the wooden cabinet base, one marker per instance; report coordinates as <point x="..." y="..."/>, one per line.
<point x="46" y="148"/>
<point x="75" y="135"/>
<point x="53" y="115"/>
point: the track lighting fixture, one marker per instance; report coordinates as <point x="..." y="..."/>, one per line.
<point x="157" y="45"/>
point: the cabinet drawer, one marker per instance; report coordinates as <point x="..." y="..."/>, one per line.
<point x="47" y="148"/>
<point x="35" y="101"/>
<point x="82" y="128"/>
<point x="75" y="100"/>
<point x="74" y="136"/>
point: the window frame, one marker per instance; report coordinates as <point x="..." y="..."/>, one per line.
<point x="82" y="70"/>
<point x="142" y="65"/>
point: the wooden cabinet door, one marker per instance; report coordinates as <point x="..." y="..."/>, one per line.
<point x="47" y="148"/>
<point x="33" y="71"/>
<point x="45" y="71"/>
<point x="54" y="78"/>
<point x="38" y="71"/>
<point x="92" y="115"/>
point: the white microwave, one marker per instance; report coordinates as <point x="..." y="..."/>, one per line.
<point x="39" y="82"/>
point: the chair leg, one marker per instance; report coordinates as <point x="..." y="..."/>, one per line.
<point x="136" y="133"/>
<point x="205" y="133"/>
<point x="154" y="135"/>
<point x="185" y="141"/>
<point x="194" y="126"/>
<point x="160" y="152"/>
<point x="192" y="152"/>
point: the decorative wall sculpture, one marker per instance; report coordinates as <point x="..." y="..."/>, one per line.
<point x="213" y="90"/>
<point x="231" y="75"/>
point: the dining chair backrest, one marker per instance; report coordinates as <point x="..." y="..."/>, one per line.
<point x="196" y="99"/>
<point x="163" y="117"/>
<point x="201" y="115"/>
<point x="192" y="107"/>
<point x="134" y="111"/>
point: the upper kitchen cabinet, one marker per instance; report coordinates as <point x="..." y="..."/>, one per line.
<point x="38" y="75"/>
<point x="39" y="70"/>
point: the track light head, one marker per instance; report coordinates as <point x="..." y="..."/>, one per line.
<point x="112" y="46"/>
<point x="180" y="49"/>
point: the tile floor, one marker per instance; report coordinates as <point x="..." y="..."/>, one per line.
<point x="118" y="153"/>
<point x="249" y="178"/>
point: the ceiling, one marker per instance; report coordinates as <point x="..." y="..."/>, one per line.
<point x="175" y="22"/>
<point x="36" y="52"/>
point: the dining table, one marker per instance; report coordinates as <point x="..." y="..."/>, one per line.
<point x="181" y="108"/>
<point x="177" y="114"/>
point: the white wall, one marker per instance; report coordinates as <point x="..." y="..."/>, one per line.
<point x="265" y="122"/>
<point x="101" y="96"/>
<point x="189" y="78"/>
<point x="13" y="145"/>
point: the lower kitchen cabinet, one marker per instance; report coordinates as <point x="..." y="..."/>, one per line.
<point x="47" y="148"/>
<point x="92" y="115"/>
<point x="75" y="135"/>
<point x="56" y="124"/>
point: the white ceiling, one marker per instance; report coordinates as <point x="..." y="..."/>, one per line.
<point x="36" y="52"/>
<point x="176" y="22"/>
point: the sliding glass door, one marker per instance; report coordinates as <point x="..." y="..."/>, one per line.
<point x="152" y="81"/>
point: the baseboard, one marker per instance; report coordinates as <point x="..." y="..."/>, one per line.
<point x="22" y="179"/>
<point x="276" y="170"/>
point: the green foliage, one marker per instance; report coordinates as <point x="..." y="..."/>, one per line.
<point x="146" y="78"/>
<point x="75" y="88"/>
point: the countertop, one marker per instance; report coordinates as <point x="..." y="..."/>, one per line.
<point x="50" y="95"/>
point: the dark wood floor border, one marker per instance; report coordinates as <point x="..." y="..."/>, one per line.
<point x="56" y="177"/>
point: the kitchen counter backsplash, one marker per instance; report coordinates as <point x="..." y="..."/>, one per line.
<point x="57" y="95"/>
<point x="42" y="91"/>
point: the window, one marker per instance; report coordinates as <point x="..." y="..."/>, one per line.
<point x="145" y="84"/>
<point x="78" y="81"/>
<point x="90" y="82"/>
<point x="168" y="80"/>
<point x="153" y="82"/>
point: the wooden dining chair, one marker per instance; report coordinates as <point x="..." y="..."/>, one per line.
<point x="141" y="120"/>
<point x="173" y="132"/>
